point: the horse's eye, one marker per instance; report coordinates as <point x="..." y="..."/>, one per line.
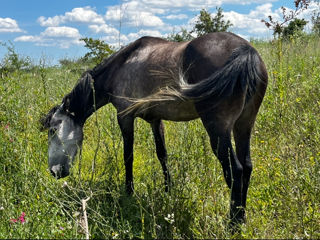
<point x="52" y="131"/>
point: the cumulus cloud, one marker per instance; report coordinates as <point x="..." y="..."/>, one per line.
<point x="251" y="22"/>
<point x="9" y="25"/>
<point x="50" y="21"/>
<point x="62" y="37"/>
<point x="143" y="17"/>
<point x="196" y="4"/>
<point x="61" y="32"/>
<point x="77" y="15"/>
<point x="135" y="14"/>
<point x="141" y="33"/>
<point x="251" y="25"/>
<point x="104" y="28"/>
<point x="176" y="16"/>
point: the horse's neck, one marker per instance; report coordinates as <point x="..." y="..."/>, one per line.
<point x="84" y="98"/>
<point x="89" y="95"/>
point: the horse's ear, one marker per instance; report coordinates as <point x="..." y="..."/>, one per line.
<point x="66" y="104"/>
<point x="45" y="119"/>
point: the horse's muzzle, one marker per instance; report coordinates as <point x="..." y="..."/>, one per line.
<point x="59" y="171"/>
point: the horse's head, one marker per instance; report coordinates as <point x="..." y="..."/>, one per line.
<point x="65" y="137"/>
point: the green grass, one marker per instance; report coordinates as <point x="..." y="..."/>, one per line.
<point x="283" y="198"/>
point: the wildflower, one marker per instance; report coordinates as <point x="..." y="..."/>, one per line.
<point x="7" y="126"/>
<point x="1" y="208"/>
<point x="65" y="184"/>
<point x="170" y="218"/>
<point x="13" y="220"/>
<point x="21" y="219"/>
<point x="115" y="235"/>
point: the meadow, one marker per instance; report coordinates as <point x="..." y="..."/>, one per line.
<point x="284" y="193"/>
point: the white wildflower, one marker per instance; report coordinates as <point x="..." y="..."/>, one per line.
<point x="170" y="218"/>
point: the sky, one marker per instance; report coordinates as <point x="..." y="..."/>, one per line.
<point x="51" y="29"/>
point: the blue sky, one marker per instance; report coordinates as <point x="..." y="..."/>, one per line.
<point x="51" y="29"/>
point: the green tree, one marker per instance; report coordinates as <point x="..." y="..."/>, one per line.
<point x="12" y="61"/>
<point x="316" y="23"/>
<point x="98" y="50"/>
<point x="181" y="36"/>
<point x="295" y="27"/>
<point x="279" y="26"/>
<point x="207" y="24"/>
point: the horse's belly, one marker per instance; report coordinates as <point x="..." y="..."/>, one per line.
<point x="172" y="111"/>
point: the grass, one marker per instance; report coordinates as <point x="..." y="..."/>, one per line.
<point x="283" y="198"/>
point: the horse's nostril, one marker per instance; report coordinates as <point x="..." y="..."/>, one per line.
<point x="56" y="171"/>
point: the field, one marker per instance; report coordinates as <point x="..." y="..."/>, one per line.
<point x="283" y="198"/>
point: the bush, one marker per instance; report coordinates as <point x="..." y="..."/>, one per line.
<point x="12" y="61"/>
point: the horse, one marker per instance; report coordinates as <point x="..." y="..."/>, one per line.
<point x="219" y="78"/>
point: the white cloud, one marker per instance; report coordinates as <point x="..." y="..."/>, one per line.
<point x="9" y="25"/>
<point x="177" y="16"/>
<point x="146" y="17"/>
<point x="113" y="40"/>
<point x="85" y="15"/>
<point x="28" y="38"/>
<point x="61" y="32"/>
<point x="250" y="24"/>
<point x="104" y="28"/>
<point x="141" y="33"/>
<point x="62" y="37"/>
<point x="50" y="21"/>
<point x="135" y="14"/>
<point x="195" y="5"/>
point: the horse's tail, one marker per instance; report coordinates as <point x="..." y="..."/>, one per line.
<point x="241" y="73"/>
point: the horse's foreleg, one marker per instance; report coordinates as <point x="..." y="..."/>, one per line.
<point x="220" y="139"/>
<point x="158" y="133"/>
<point x="126" y="126"/>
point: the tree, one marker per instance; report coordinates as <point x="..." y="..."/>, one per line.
<point x="279" y="26"/>
<point x="207" y="24"/>
<point x="12" y="61"/>
<point x="181" y="36"/>
<point x="98" y="50"/>
<point x="295" y="27"/>
<point x="316" y="23"/>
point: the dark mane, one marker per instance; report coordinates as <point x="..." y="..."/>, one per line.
<point x="45" y="119"/>
<point x="81" y="96"/>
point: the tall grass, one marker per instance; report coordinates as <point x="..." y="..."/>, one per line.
<point x="283" y="198"/>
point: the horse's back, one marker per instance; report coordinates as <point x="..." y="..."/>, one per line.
<point x="158" y="64"/>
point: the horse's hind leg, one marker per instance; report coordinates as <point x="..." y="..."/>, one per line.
<point x="158" y="133"/>
<point x="242" y="134"/>
<point x="126" y="126"/>
<point x="220" y="139"/>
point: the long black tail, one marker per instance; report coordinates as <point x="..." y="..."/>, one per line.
<point x="241" y="69"/>
<point x="240" y="73"/>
